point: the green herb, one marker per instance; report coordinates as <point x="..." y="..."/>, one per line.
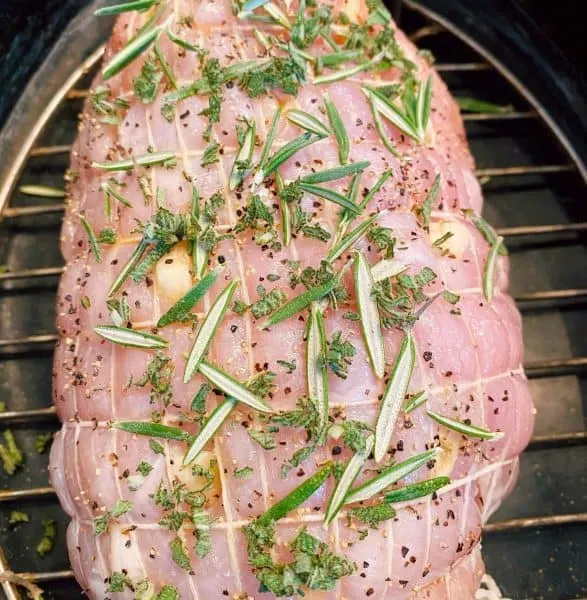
<point x="144" y="468"/>
<point x="373" y="515"/>
<point x="337" y="125"/>
<point x="10" y="454"/>
<point x="143" y="160"/>
<point x="308" y="122"/>
<point x="330" y="195"/>
<point x="369" y="313"/>
<point x="244" y="473"/>
<point x="211" y="154"/>
<point x="130" y="337"/>
<point x="102" y="522"/>
<point x="17" y="516"/>
<point x="154" y="430"/>
<point x="394" y="395"/>
<point x="442" y="239"/>
<point x="413" y="116"/>
<point x="285" y="153"/>
<point x="352" y="238"/>
<point x="297" y="496"/>
<point x="285" y="212"/>
<point x="259" y="219"/>
<point x="239" y="307"/>
<point x="199" y="400"/>
<point x="178" y="553"/>
<point x="115" y="9"/>
<point x="130" y="52"/>
<point x="134" y="259"/>
<point x="383" y="239"/>
<point x="286" y="74"/>
<point x="231" y="387"/>
<point x="92" y="239"/>
<point x="302" y="223"/>
<point x="42" y="442"/>
<point x="289" y="366"/>
<point x="387" y="268"/>
<point x="164" y="65"/>
<point x="428" y="203"/>
<point x="485" y="229"/>
<point x="335" y="59"/>
<point x="108" y="109"/>
<point x="355" y="434"/>
<point x="158" y="375"/>
<point x="482" y="106"/>
<point x="47" y="542"/>
<point x="244" y="157"/>
<point x="277" y="14"/>
<point x="343" y="73"/>
<point x="146" y="84"/>
<point x="417" y="490"/>
<point x="339" y="354"/>
<point x="156" y="447"/>
<point x="168" y="592"/>
<point x="42" y="191"/>
<point x="208" y="329"/>
<point x="415" y="401"/>
<point x="465" y="428"/>
<point x="389" y="476"/>
<point x="345" y="483"/>
<point x="271" y="133"/>
<point x="118" y="582"/>
<point x="265" y="439"/>
<point x="316" y="371"/>
<point x="489" y="270"/>
<point x="107" y="236"/>
<point x="180" y="310"/>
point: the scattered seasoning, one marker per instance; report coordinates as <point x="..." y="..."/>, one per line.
<point x="244" y="157"/>
<point x="47" y="542"/>
<point x="465" y="428"/>
<point x="394" y="395"/>
<point x="10" y="454"/>
<point x="417" y="490"/>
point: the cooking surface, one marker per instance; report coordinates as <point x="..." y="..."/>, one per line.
<point x="549" y="561"/>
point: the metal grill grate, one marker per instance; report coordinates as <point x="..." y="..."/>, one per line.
<point x="523" y="167"/>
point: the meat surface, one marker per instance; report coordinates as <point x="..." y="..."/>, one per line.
<point x="142" y="524"/>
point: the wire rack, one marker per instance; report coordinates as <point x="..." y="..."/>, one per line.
<point x="536" y="546"/>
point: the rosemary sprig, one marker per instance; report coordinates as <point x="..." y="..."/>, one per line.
<point x="111" y="192"/>
<point x="394" y="395"/>
<point x="130" y="337"/>
<point x="277" y="14"/>
<point x="164" y="64"/>
<point x="132" y="262"/>
<point x="489" y="270"/>
<point x="116" y="9"/>
<point x="416" y="401"/>
<point x="336" y="172"/>
<point x="144" y="160"/>
<point x="307" y="121"/>
<point x="387" y="267"/>
<point x="482" y="106"/>
<point x="92" y="239"/>
<point x="330" y="195"/>
<point x="208" y="329"/>
<point x="343" y="73"/>
<point x="244" y="157"/>
<point x="417" y="490"/>
<point x="316" y="368"/>
<point x="428" y="202"/>
<point x="181" y="308"/>
<point x="465" y="428"/>
<point x="389" y="476"/>
<point x="155" y="430"/>
<point x="271" y="133"/>
<point x="298" y="496"/>
<point x="41" y="191"/>
<point x="130" y="52"/>
<point x="209" y="428"/>
<point x="352" y="238"/>
<point x="345" y="483"/>
<point x="369" y="314"/>
<point x="284" y="153"/>
<point x="485" y="229"/>
<point x="285" y="211"/>
<point x="338" y="128"/>
<point x="183" y="43"/>
<point x="334" y="59"/>
<point x="231" y="387"/>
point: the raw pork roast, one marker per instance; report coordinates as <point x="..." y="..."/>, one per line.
<point x="175" y="180"/>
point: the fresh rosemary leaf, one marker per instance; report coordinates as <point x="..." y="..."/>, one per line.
<point x="183" y="43"/>
<point x="389" y="476"/>
<point x="417" y="490"/>
<point x="308" y="122"/>
<point x="42" y="191"/>
<point x="271" y="133"/>
<point x="428" y="203"/>
<point x="208" y="329"/>
<point x="244" y="157"/>
<point x="164" y="64"/>
<point x="423" y="108"/>
<point x="330" y="195"/>
<point x="111" y="192"/>
<point x="316" y="368"/>
<point x="489" y="270"/>
<point x="393" y="114"/>
<point x="155" y="430"/>
<point x="250" y="6"/>
<point x="92" y="239"/>
<point x="298" y="496"/>
<point x="352" y="238"/>
<point x="231" y="387"/>
<point x="262" y="38"/>
<point x="132" y="262"/>
<point x="209" y="428"/>
<point x="465" y="428"/>
<point x="286" y="152"/>
<point x="130" y="337"/>
<point x="345" y="483"/>
<point x="180" y="309"/>
<point x="378" y="185"/>
<point x="369" y="313"/>
<point x="342" y="74"/>
<point x="385" y="268"/>
<point x="394" y="395"/>
<point x="116" y="9"/>
<point x="285" y="211"/>
<point x="338" y="128"/>
<point x="144" y="160"/>
<point x="130" y="52"/>
<point x="334" y="59"/>
<point x="380" y="128"/>
<point x="297" y="304"/>
<point x="336" y="173"/>
<point x="277" y="14"/>
<point x="482" y="106"/>
<point x="415" y="401"/>
<point x="485" y="229"/>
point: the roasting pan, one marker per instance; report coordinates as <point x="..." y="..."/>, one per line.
<point x="532" y="165"/>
